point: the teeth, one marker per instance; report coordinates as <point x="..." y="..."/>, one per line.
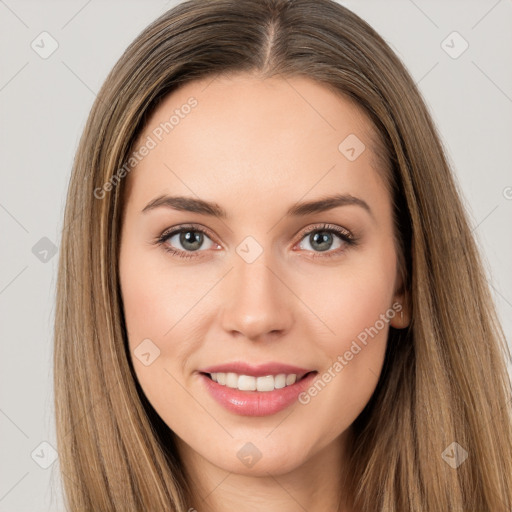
<point x="250" y="383"/>
<point x="231" y="380"/>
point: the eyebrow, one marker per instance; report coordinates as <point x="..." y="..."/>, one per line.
<point x="195" y="205"/>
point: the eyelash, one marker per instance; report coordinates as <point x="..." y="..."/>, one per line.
<point x="343" y="234"/>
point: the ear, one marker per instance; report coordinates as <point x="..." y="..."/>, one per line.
<point x="401" y="306"/>
<point x="402" y="317"/>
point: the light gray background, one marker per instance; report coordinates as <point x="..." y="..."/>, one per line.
<point x="43" y="107"/>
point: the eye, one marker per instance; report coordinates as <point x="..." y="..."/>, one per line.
<point x="185" y="241"/>
<point x="321" y="239"/>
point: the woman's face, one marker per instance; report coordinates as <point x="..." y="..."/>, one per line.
<point x="270" y="279"/>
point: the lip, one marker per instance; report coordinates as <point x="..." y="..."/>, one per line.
<point x="272" y="368"/>
<point x="256" y="403"/>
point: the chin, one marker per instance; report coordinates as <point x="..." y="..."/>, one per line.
<point x="260" y="455"/>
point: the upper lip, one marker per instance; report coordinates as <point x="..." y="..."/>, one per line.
<point x="260" y="370"/>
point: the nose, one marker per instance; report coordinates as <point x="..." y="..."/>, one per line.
<point x="258" y="303"/>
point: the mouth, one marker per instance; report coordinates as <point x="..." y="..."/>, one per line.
<point x="262" y="383"/>
<point x="256" y="391"/>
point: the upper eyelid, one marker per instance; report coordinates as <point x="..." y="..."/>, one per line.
<point x="326" y="227"/>
<point x="178" y="229"/>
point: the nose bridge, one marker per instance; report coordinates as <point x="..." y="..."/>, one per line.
<point x="258" y="303"/>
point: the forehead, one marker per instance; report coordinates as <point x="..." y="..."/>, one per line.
<point x="252" y="137"/>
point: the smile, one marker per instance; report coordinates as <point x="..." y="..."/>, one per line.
<point x="256" y="390"/>
<point x="251" y="383"/>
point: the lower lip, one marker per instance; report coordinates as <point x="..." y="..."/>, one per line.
<point x="256" y="403"/>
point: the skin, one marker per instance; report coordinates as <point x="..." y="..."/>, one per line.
<point x="257" y="147"/>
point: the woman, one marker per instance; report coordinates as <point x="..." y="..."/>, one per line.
<point x="269" y="295"/>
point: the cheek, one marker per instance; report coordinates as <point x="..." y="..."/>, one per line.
<point x="154" y="299"/>
<point x="145" y="299"/>
<point x="158" y="306"/>
<point x="163" y="303"/>
<point x="351" y="298"/>
<point x="357" y="307"/>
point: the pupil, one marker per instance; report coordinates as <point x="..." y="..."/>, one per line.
<point x="324" y="238"/>
<point x="191" y="240"/>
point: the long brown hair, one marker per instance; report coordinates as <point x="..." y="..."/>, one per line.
<point x="444" y="379"/>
